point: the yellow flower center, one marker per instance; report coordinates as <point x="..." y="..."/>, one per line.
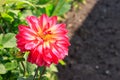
<point x="47" y="35"/>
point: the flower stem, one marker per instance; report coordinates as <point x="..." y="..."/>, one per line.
<point x="2" y="30"/>
<point x="41" y="73"/>
<point x="23" y="67"/>
<point x="36" y="72"/>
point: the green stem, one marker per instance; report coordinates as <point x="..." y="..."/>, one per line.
<point x="2" y="30"/>
<point x="23" y="67"/>
<point x="41" y="73"/>
<point x="36" y="72"/>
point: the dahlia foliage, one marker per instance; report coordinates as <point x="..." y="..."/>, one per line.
<point x="46" y="40"/>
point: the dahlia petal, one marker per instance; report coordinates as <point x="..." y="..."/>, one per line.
<point x="47" y="26"/>
<point x="40" y="49"/>
<point x="63" y="43"/>
<point x="29" y="31"/>
<point x="30" y="46"/>
<point x="47" y="58"/>
<point x="43" y="20"/>
<point x="61" y="37"/>
<point x="40" y="60"/>
<point x="53" y="20"/>
<point x="48" y="55"/>
<point x="26" y="31"/>
<point x="22" y="49"/>
<point x="59" y="26"/>
<point x="55" y="52"/>
<point x="62" y="49"/>
<point x="34" y="23"/>
<point x="21" y="27"/>
<point x="60" y="31"/>
<point x="47" y="45"/>
<point x="54" y="58"/>
<point x="27" y="36"/>
<point x="32" y="57"/>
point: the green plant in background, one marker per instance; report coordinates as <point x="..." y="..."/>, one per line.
<point x="12" y="12"/>
<point x="13" y="65"/>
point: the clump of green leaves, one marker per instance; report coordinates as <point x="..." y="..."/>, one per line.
<point x="13" y="64"/>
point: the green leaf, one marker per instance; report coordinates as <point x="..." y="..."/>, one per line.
<point x="53" y="77"/>
<point x="1" y="8"/>
<point x="52" y="68"/>
<point x="41" y="2"/>
<point x="7" y="17"/>
<point x="83" y="1"/>
<point x="64" y="9"/>
<point x="30" y="68"/>
<point x="30" y="77"/>
<point x="45" y="78"/>
<point x="50" y="76"/>
<point x="51" y="73"/>
<point x="1" y="36"/>
<point x="61" y="7"/>
<point x="27" y="2"/>
<point x="49" y="9"/>
<point x="16" y="12"/>
<point x="62" y="62"/>
<point x="9" y="40"/>
<point x="2" y="69"/>
<point x="10" y="1"/>
<point x="21" y="78"/>
<point x="10" y="65"/>
<point x="1" y="77"/>
<point x="25" y="14"/>
<point x="20" y="3"/>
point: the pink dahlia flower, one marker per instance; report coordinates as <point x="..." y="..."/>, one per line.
<point x="46" y="40"/>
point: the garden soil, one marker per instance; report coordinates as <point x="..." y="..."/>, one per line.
<point x="94" y="32"/>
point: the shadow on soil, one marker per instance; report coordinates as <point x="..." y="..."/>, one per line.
<point x="94" y="53"/>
